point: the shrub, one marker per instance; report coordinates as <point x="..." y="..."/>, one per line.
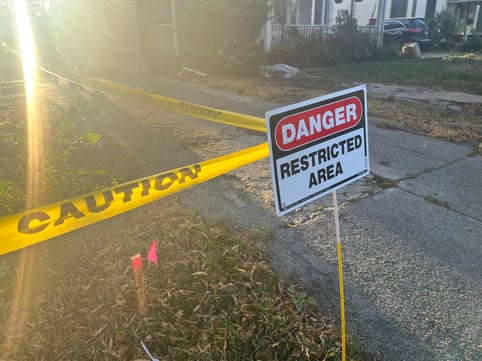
<point x="473" y="44"/>
<point x="346" y="44"/>
<point x="443" y="27"/>
<point x="220" y="33"/>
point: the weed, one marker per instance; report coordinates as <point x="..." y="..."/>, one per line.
<point x="300" y="299"/>
<point x="10" y="197"/>
<point x="436" y="201"/>
<point x="91" y="138"/>
<point x="462" y="75"/>
<point x="384" y="183"/>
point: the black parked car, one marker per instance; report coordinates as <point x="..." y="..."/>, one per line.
<point x="398" y="31"/>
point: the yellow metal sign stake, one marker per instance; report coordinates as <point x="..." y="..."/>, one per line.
<point x="340" y="274"/>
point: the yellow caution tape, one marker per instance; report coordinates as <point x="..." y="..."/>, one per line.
<point x="37" y="225"/>
<point x="171" y="104"/>
<point x="178" y="106"/>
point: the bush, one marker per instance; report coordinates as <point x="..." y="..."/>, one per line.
<point x="443" y="27"/>
<point x="220" y="33"/>
<point x="346" y="44"/>
<point x="473" y="44"/>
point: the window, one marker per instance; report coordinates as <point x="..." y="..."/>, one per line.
<point x="392" y="25"/>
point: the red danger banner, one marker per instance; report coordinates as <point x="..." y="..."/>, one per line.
<point x="310" y="125"/>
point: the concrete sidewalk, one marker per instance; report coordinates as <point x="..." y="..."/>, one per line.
<point x="435" y="97"/>
<point x="440" y="98"/>
<point x="411" y="231"/>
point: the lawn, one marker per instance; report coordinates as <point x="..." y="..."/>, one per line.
<point x="457" y="73"/>
<point x="462" y="73"/>
<point x="212" y="297"/>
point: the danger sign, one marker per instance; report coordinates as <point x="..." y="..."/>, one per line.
<point x="317" y="146"/>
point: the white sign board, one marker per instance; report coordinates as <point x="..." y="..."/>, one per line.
<point x="317" y="146"/>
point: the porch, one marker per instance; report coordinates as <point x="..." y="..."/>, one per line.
<point x="284" y="36"/>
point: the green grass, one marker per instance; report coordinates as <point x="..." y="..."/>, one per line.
<point x="58" y="175"/>
<point x="436" y="201"/>
<point x="460" y="74"/>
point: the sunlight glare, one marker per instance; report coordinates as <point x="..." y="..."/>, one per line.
<point x="21" y="299"/>
<point x="25" y="39"/>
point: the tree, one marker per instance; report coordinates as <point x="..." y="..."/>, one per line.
<point x="220" y="28"/>
<point x="443" y="27"/>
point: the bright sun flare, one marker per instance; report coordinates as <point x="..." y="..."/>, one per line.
<point x="26" y="262"/>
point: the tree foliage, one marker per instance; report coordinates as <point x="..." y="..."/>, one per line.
<point x="443" y="27"/>
<point x="220" y="28"/>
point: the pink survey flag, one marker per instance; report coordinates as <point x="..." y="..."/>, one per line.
<point x="152" y="254"/>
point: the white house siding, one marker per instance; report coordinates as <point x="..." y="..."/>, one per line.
<point x="388" y="6"/>
<point x="77" y="34"/>
<point x="335" y="8"/>
<point x="420" y="7"/>
<point x="96" y="36"/>
<point x="363" y="10"/>
<point x="94" y="25"/>
<point x="416" y="8"/>
<point x="441" y="5"/>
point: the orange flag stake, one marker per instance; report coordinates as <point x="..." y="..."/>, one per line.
<point x="136" y="263"/>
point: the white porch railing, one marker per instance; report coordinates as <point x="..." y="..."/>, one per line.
<point x="281" y="36"/>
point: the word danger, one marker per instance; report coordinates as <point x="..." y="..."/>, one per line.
<point x="319" y="157"/>
<point x="37" y="221"/>
<point x="311" y="125"/>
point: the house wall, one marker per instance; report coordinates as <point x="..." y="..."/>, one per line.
<point x="367" y="9"/>
<point x="335" y="8"/>
<point x="97" y="36"/>
<point x="73" y="34"/>
<point x="123" y="40"/>
<point x="364" y="10"/>
<point x="416" y="8"/>
<point x="419" y="6"/>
